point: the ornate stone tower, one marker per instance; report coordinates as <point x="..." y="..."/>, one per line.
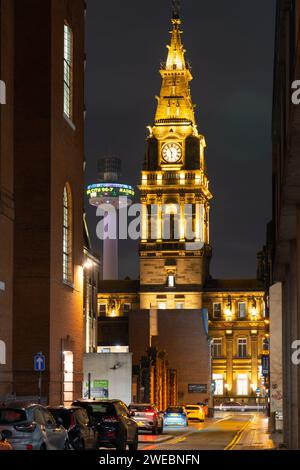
<point x="174" y="250"/>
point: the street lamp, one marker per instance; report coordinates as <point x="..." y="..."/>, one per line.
<point x="88" y="264"/>
<point x="228" y="309"/>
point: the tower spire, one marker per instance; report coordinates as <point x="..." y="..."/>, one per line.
<point x="176" y="9"/>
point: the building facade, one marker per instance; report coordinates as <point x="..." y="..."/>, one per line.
<point x="45" y="113"/>
<point x="169" y="307"/>
<point x="286" y="214"/>
<point x="91" y="277"/>
<point x="238" y="328"/>
<point x="6" y="194"/>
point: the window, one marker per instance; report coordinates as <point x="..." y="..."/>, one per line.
<point x="102" y="310"/>
<point x="126" y="308"/>
<point x="67" y="236"/>
<point x="217" y="311"/>
<point x="68" y="378"/>
<point x="219" y="384"/>
<point x="216" y="347"/>
<point x="242" y="347"/>
<point x="242" y="310"/>
<point x="68" y="71"/>
<point x="242" y="384"/>
<point x="171" y="280"/>
<point x="179" y="305"/>
<point x="162" y="305"/>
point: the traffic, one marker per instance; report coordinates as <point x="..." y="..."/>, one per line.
<point x="88" y="424"/>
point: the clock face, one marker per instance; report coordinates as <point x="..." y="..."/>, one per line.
<point x="172" y="152"/>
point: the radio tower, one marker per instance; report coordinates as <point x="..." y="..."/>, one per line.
<point x="110" y="191"/>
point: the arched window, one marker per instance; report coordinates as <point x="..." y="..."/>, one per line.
<point x="67" y="236"/>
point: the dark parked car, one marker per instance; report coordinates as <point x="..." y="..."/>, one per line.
<point x="112" y="422"/>
<point x="77" y="423"/>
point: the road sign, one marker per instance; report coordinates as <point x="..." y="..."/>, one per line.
<point x="39" y="363"/>
<point x="265" y="362"/>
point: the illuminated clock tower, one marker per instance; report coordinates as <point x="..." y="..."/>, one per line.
<point x="175" y="197"/>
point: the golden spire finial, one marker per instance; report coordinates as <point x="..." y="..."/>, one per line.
<point x="176" y="9"/>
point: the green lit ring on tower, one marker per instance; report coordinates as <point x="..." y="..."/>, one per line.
<point x="102" y="193"/>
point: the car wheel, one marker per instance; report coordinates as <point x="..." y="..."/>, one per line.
<point x="121" y="443"/>
<point x="161" y="430"/>
<point x="134" y="446"/>
<point x="81" y="445"/>
<point x="67" y="445"/>
<point x="155" y="431"/>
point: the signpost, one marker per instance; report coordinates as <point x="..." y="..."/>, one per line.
<point x="39" y="366"/>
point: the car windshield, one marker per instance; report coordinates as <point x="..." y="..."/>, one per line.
<point x="196" y="408"/>
<point x="11" y="416"/>
<point x="175" y="410"/>
<point x="140" y="408"/>
<point x="64" y="415"/>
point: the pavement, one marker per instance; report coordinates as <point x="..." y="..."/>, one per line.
<point x="257" y="437"/>
<point x="227" y="431"/>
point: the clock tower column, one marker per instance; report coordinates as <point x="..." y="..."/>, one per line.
<point x="175" y="248"/>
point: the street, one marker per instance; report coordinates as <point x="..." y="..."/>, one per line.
<point x="227" y="431"/>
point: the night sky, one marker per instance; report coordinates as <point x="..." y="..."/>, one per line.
<point x="230" y="45"/>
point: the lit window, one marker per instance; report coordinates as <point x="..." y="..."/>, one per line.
<point x="171" y="280"/>
<point x="162" y="305"/>
<point x="216" y="347"/>
<point x="68" y="385"/>
<point x="68" y="71"/>
<point x="179" y="305"/>
<point x="219" y="384"/>
<point x="217" y="311"/>
<point x="242" y="310"/>
<point x="242" y="385"/>
<point x="67" y="236"/>
<point x="242" y="347"/>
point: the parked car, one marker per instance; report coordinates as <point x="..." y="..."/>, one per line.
<point x="147" y="417"/>
<point x="32" y="427"/>
<point x="175" y="416"/>
<point x="4" y="444"/>
<point x="195" y="412"/>
<point x="112" y="422"/>
<point x="76" y="421"/>
<point x="205" y="408"/>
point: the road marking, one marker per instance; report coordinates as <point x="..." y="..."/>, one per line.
<point x="183" y="437"/>
<point x="239" y="435"/>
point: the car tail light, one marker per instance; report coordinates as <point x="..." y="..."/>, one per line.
<point x="110" y="419"/>
<point x="25" y="427"/>
<point x="72" y="422"/>
<point x="150" y="413"/>
<point x="29" y="447"/>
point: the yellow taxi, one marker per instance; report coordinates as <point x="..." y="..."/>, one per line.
<point x="195" y="412"/>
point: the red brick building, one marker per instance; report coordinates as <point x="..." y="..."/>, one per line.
<point x="42" y="61"/>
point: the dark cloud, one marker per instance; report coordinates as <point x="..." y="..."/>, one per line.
<point x="230" y="45"/>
